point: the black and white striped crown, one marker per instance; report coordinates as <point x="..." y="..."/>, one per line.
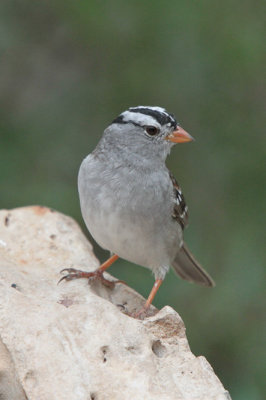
<point x="146" y="115"/>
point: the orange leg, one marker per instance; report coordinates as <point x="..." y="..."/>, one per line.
<point x="108" y="263"/>
<point x="73" y="273"/>
<point x="143" y="312"/>
<point x="153" y="292"/>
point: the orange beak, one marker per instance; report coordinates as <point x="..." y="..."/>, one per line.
<point x="179" y="135"/>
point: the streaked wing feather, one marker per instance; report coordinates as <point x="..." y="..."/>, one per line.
<point x="180" y="210"/>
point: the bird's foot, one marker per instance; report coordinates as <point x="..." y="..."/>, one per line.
<point x="143" y="313"/>
<point x="73" y="273"/>
<point x="146" y="310"/>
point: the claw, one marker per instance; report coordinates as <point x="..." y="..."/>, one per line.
<point x="73" y="273"/>
<point x="66" y="278"/>
<point x="69" y="270"/>
<point x="60" y="280"/>
<point x="142" y="313"/>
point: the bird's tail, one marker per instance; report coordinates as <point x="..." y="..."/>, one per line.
<point x="189" y="269"/>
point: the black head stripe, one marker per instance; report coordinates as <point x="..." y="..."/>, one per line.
<point x="162" y="118"/>
<point x="119" y="120"/>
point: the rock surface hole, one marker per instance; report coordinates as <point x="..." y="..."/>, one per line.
<point x="104" y="351"/>
<point x="158" y="348"/>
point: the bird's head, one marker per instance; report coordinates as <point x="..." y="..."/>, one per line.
<point x="146" y="130"/>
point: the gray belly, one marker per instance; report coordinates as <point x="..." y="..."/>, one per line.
<point x="133" y="222"/>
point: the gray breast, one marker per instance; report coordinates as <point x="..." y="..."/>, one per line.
<point x="129" y="211"/>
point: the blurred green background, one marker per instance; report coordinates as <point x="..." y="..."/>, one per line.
<point x="68" y="68"/>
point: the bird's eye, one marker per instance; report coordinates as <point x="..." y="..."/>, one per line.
<point x="152" y="130"/>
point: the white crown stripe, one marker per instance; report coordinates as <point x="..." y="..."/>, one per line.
<point x="139" y="118"/>
<point x="147" y="115"/>
<point x="155" y="108"/>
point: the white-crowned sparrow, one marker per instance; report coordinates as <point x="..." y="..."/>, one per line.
<point x="132" y="204"/>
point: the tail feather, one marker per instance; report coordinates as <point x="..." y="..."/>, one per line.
<point x="189" y="269"/>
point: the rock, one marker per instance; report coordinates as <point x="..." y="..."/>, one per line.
<point x="71" y="341"/>
<point x="10" y="388"/>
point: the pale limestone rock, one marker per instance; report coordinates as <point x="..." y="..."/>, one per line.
<point x="71" y="341"/>
<point x="10" y="388"/>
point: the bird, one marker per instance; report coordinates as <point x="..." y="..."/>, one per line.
<point x="132" y="204"/>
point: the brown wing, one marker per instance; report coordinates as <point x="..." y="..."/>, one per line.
<point x="188" y="268"/>
<point x="184" y="263"/>
<point x="180" y="210"/>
